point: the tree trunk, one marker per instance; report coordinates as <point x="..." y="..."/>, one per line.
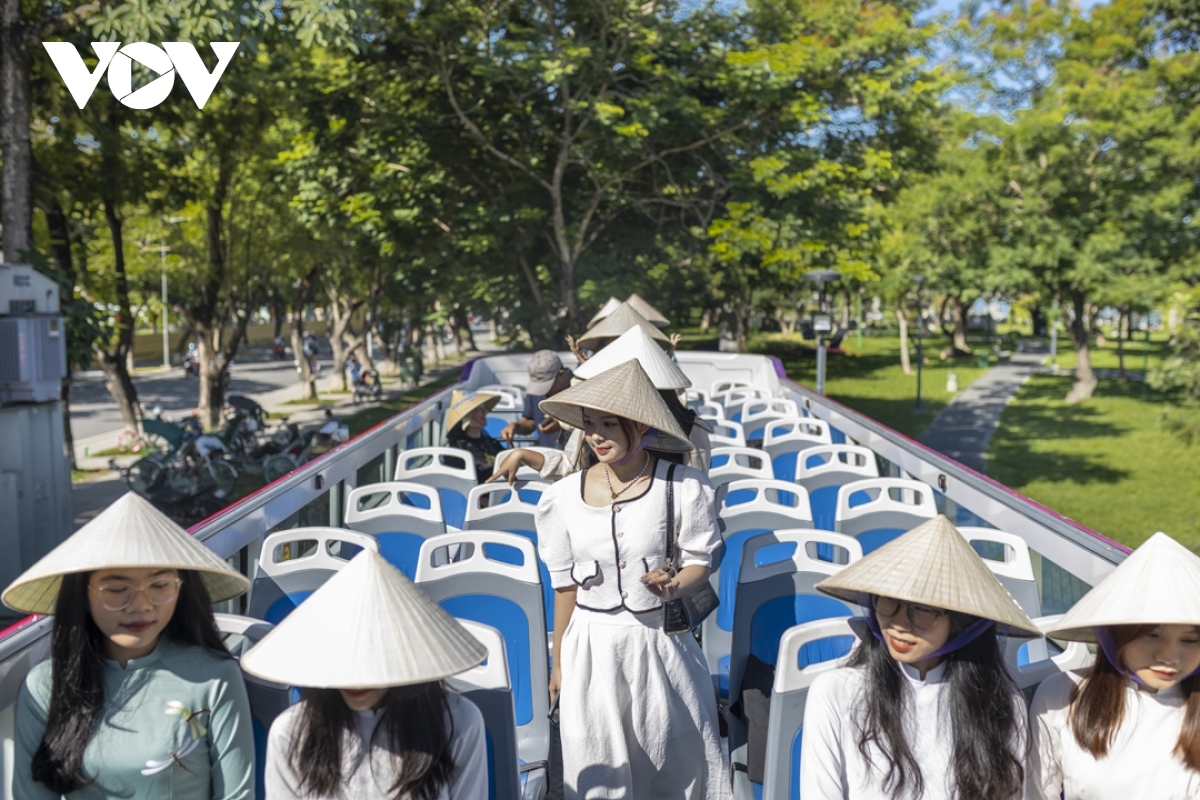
<point x="1085" y="379"/>
<point x="463" y="326"/>
<point x="902" y="320"/>
<point x="278" y="312"/>
<point x="706" y="320"/>
<point x="16" y="203"/>
<point x="739" y="311"/>
<point x="341" y="313"/>
<point x="115" y="362"/>
<point x="960" y="326"/>
<point x="307" y="377"/>
<point x="184" y="340"/>
<point x="1122" y="331"/>
<point x="60" y="247"/>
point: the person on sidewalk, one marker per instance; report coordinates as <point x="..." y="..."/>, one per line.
<point x="139" y="699"/>
<point x="1130" y="726"/>
<point x="547" y="377"/>
<point x="369" y="651"/>
<point x="924" y="708"/>
<point x="638" y="714"/>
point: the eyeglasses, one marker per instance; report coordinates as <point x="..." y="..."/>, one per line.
<point x="922" y="617"/>
<point x="158" y="592"/>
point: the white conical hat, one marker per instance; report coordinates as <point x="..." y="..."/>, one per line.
<point x="626" y="391"/>
<point x="605" y="310"/>
<point x="368" y="627"/>
<point x="129" y="533"/>
<point x="617" y="323"/>
<point x="636" y="343"/>
<point x="1158" y="584"/>
<point x="646" y="310"/>
<point x="932" y="564"/>
<point x="463" y="403"/>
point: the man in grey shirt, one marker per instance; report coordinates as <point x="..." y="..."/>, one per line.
<point x="547" y="377"/>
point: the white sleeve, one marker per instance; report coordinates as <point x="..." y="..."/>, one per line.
<point x="469" y="752"/>
<point x="822" y="761"/>
<point x="1043" y="774"/>
<point x="554" y="541"/>
<point x="561" y="463"/>
<point x="699" y="532"/>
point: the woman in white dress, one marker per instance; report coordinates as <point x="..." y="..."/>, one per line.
<point x="924" y="708"/>
<point x="374" y="721"/>
<point x="1130" y="726"/>
<point x="638" y="712"/>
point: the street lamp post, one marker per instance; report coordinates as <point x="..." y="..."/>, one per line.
<point x="822" y="321"/>
<point x="166" y="320"/>
<point x="920" y="281"/>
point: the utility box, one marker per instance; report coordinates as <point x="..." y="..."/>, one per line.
<point x="33" y="342"/>
<point x="35" y="475"/>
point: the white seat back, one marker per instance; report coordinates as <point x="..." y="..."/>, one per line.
<point x="736" y="463"/>
<point x="1030" y="662"/>
<point x="382" y="508"/>
<point x="894" y="505"/>
<point x="834" y="465"/>
<point x="440" y="467"/>
<point x="726" y="433"/>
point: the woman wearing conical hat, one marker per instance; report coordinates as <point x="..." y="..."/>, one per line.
<point x="466" y="424"/>
<point x="924" y="707"/>
<point x="667" y="378"/>
<point x="1130" y="725"/>
<point x="369" y="650"/>
<point x="638" y="713"/>
<point x="139" y="699"/>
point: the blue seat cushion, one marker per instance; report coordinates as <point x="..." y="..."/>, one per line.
<point x="772" y="618"/>
<point x="877" y="538"/>
<point x="507" y="617"/>
<point x="837" y="436"/>
<point x="794" y="780"/>
<point x="547" y="589"/>
<point x="494" y="426"/>
<point x="454" y="507"/>
<point x="728" y="576"/>
<point x="826" y="649"/>
<point x="402" y="550"/>
<point x="784" y="466"/>
<point x="284" y="606"/>
<point x="823" y="502"/>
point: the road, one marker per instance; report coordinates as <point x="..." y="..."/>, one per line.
<point x="93" y="411"/>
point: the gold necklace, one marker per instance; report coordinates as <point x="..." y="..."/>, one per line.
<point x="608" y="480"/>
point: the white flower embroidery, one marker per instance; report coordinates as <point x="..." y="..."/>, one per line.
<point x="191" y="740"/>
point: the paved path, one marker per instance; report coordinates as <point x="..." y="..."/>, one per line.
<point x="964" y="427"/>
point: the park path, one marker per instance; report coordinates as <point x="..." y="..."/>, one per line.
<point x="964" y="428"/>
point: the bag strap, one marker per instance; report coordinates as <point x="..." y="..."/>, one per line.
<point x="670" y="556"/>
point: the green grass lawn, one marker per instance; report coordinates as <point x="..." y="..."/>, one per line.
<point x="871" y="380"/>
<point x="1111" y="463"/>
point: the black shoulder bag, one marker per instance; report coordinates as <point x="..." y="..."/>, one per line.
<point x="684" y="614"/>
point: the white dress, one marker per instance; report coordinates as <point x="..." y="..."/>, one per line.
<point x="1141" y="761"/>
<point x="833" y="768"/>
<point x="638" y="713"/>
<point x="370" y="773"/>
<point x="558" y="464"/>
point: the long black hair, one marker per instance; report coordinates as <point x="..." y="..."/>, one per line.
<point x="416" y="730"/>
<point x="77" y="674"/>
<point x="980" y="701"/>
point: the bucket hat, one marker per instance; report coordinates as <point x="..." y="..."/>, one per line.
<point x="1158" y="584"/>
<point x="636" y="343"/>
<point x="543" y="368"/>
<point x="617" y="323"/>
<point x="463" y="403"/>
<point x="605" y="310"/>
<point x="934" y="565"/>
<point x="648" y="311"/>
<point x="625" y="391"/>
<point x="129" y="533"/>
<point x="368" y="627"/>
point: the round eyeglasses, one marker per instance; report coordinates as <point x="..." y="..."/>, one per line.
<point x="922" y="618"/>
<point x="116" y="596"/>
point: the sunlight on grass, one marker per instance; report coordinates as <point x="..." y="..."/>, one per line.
<point x="1112" y="463"/>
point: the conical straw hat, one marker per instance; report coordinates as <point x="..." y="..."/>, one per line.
<point x="605" y="310"/>
<point x="1159" y="584"/>
<point x="636" y="343"/>
<point x="463" y="403"/>
<point x="625" y="391"/>
<point x="368" y="627"/>
<point x="617" y="323"/>
<point x="932" y="564"/>
<point x="129" y="533"/>
<point x="646" y="310"/>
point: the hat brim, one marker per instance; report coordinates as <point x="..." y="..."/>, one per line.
<point x="572" y="414"/>
<point x="456" y="414"/>
<point x="540" y="387"/>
